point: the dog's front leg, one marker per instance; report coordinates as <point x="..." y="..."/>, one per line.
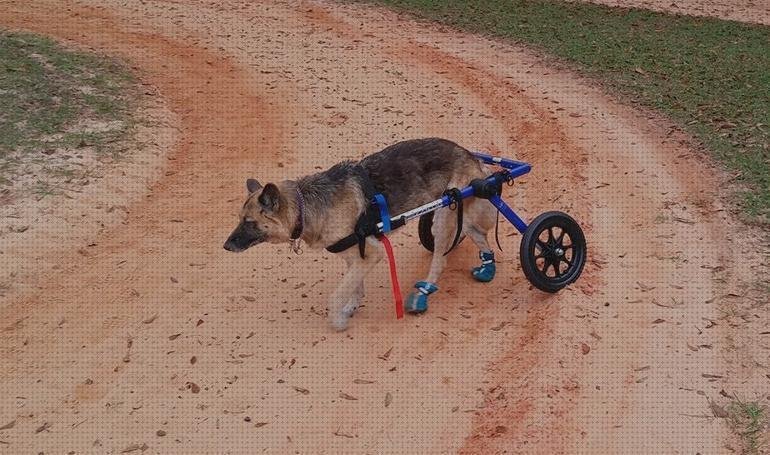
<point x="355" y="300"/>
<point x="349" y="293"/>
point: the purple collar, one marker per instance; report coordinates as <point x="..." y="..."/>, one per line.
<point x="299" y="226"/>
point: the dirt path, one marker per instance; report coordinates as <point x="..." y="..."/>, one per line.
<point x="155" y="330"/>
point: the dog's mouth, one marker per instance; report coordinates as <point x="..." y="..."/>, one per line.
<point x="244" y="237"/>
<point x="235" y="248"/>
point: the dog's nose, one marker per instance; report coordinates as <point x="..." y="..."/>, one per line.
<point x="229" y="246"/>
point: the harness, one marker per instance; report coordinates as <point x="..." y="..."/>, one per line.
<point x="367" y="222"/>
<point x="377" y="212"/>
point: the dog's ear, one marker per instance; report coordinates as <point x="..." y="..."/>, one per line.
<point x="270" y="197"/>
<point x="252" y="186"/>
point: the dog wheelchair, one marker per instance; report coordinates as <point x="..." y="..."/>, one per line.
<point x="553" y="247"/>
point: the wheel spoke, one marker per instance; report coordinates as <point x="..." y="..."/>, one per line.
<point x="551" y="237"/>
<point x="561" y="237"/>
<point x="557" y="268"/>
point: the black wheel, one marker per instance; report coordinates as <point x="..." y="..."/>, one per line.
<point x="553" y="251"/>
<point x="424" y="230"/>
<point x="426" y="234"/>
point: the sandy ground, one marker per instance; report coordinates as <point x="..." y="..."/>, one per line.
<point x="751" y="11"/>
<point x="152" y="338"/>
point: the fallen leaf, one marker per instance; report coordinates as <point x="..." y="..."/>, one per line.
<point x="151" y="319"/>
<point x="386" y="356"/>
<point x="260" y="424"/>
<point x="43" y="427"/>
<point x="301" y="390"/>
<point x="644" y="288"/>
<point x="194" y="388"/>
<point x="135" y="447"/>
<point x="500" y="326"/>
<point x="347" y="397"/>
<point x="584" y="348"/>
<point x="174" y="337"/>
<point x="362" y="381"/>
<point x="718" y="411"/>
<point x="193" y="360"/>
<point x="388" y="399"/>
<point x="344" y="435"/>
<point x="8" y="425"/>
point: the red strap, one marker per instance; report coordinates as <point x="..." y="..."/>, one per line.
<point x="393" y="276"/>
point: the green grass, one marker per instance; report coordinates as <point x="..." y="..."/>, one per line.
<point x="47" y="92"/>
<point x="749" y="421"/>
<point x="710" y="76"/>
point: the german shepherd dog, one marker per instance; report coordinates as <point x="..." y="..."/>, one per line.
<point x="322" y="208"/>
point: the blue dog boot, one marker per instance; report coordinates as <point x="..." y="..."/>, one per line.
<point x="486" y="271"/>
<point x="417" y="301"/>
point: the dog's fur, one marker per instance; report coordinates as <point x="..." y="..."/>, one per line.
<point x="410" y="173"/>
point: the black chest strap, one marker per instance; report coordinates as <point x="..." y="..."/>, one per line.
<point x="367" y="222"/>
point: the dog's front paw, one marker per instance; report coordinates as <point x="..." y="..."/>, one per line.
<point x="339" y="321"/>
<point x="350" y="308"/>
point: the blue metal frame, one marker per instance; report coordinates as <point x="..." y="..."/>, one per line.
<point x="511" y="170"/>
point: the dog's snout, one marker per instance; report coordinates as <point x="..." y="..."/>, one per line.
<point x="230" y="246"/>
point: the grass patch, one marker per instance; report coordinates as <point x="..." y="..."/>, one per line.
<point x="749" y="421"/>
<point x="54" y="101"/>
<point x="710" y="76"/>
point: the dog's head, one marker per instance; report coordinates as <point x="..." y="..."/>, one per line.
<point x="264" y="218"/>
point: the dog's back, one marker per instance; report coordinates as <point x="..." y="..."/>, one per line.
<point x="414" y="172"/>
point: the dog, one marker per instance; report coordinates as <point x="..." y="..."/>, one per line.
<point x="322" y="208"/>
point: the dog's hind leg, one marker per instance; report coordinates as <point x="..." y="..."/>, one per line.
<point x="343" y="301"/>
<point x="481" y="218"/>
<point x="443" y="231"/>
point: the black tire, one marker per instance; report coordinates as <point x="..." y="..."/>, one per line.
<point x="553" y="251"/>
<point x="424" y="229"/>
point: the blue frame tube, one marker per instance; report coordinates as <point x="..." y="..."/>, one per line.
<point x="516" y="168"/>
<point x="512" y="168"/>
<point x="508" y="213"/>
